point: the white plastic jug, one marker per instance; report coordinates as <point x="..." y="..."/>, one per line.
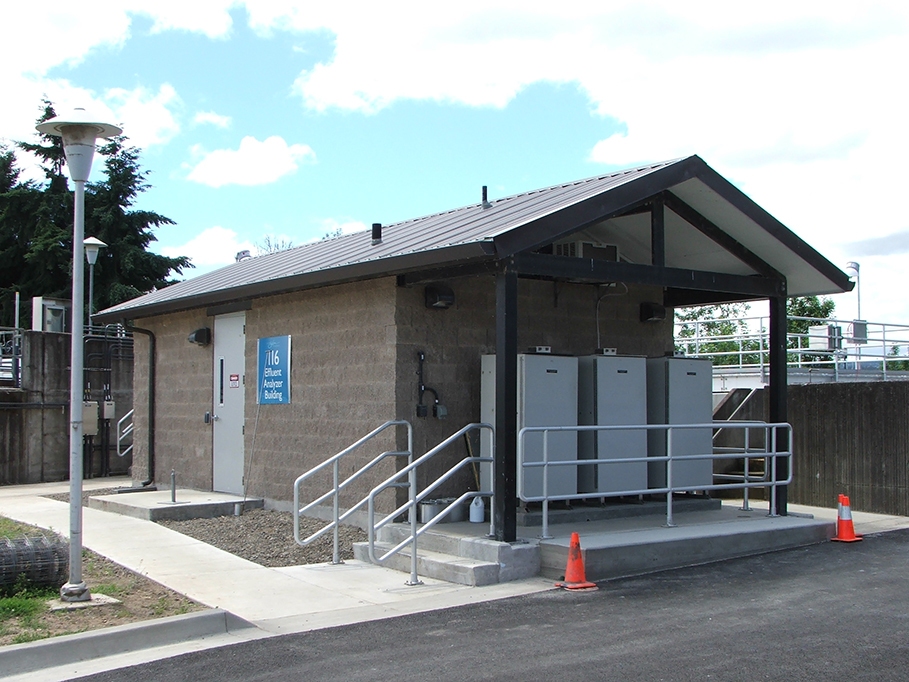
<point x="477" y="510"/>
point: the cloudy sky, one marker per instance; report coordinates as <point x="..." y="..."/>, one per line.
<point x="292" y="119"/>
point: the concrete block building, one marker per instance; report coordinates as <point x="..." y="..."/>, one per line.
<point x="351" y="321"/>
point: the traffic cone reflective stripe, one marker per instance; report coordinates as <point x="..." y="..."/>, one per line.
<point x="845" y="529"/>
<point x="839" y="514"/>
<point x="575" y="578"/>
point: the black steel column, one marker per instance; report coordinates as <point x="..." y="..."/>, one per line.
<point x="657" y="234"/>
<point x="778" y="382"/>
<point x="506" y="455"/>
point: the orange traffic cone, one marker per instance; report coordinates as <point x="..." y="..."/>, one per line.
<point x="574" y="571"/>
<point x="845" y="530"/>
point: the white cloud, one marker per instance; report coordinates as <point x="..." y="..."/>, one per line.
<point x="209" y="17"/>
<point x="796" y="103"/>
<point x="212" y="248"/>
<point x="254" y="163"/>
<point x="147" y="116"/>
<point x="212" y="118"/>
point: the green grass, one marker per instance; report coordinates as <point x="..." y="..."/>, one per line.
<point x="109" y="589"/>
<point x="14" y="529"/>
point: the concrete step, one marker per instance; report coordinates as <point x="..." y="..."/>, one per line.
<point x="451" y="553"/>
<point x="516" y="560"/>
<point x="156" y="505"/>
<point x="435" y="565"/>
<point x="621" y="554"/>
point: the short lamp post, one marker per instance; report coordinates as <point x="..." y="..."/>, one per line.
<point x="852" y="269"/>
<point x="859" y="329"/>
<point x="79" y="132"/>
<point x="92" y="247"/>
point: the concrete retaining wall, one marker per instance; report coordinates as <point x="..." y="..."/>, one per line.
<point x="34" y="419"/>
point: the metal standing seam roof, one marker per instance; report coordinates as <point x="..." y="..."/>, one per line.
<point x="439" y="239"/>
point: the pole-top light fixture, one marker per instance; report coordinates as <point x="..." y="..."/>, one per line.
<point x="79" y="131"/>
<point x="852" y="269"/>
<point x="92" y="247"/>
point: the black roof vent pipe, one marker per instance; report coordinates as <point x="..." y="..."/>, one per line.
<point x="486" y="203"/>
<point x="376" y="233"/>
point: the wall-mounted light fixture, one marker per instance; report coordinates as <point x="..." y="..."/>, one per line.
<point x="652" y="312"/>
<point x="200" y="337"/>
<point x="438" y="296"/>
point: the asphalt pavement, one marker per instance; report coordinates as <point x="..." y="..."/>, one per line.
<point x="825" y="612"/>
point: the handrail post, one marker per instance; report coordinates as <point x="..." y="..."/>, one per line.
<point x="336" y="512"/>
<point x="745" y="506"/>
<point x="492" y="478"/>
<point x="669" y="520"/>
<point x="773" y="479"/>
<point x="545" y="535"/>
<point x="412" y="483"/>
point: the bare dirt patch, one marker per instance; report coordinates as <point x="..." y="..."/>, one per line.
<point x="140" y="599"/>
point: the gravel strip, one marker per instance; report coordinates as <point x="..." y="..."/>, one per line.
<point x="267" y="537"/>
<point x="263" y="536"/>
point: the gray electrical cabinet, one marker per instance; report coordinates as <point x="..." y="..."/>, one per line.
<point x="680" y="391"/>
<point x="612" y="391"/>
<point x="547" y="396"/>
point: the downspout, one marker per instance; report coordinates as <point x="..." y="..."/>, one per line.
<point x="151" y="400"/>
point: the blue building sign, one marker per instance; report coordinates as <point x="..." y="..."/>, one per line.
<point x="274" y="371"/>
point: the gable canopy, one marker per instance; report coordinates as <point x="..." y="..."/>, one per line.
<point x="678" y="224"/>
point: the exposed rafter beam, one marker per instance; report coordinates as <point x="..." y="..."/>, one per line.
<point x="676" y="298"/>
<point x="585" y="212"/>
<point x="713" y="232"/>
<point x="597" y="271"/>
<point x="657" y="232"/>
<point x="489" y="267"/>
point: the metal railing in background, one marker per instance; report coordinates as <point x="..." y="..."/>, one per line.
<point x="338" y="485"/>
<point x="11" y="356"/>
<point x="124" y="431"/>
<point x="776" y="445"/>
<point x="415" y="497"/>
<point x="827" y="344"/>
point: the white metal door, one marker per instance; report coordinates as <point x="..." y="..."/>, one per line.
<point x="228" y="402"/>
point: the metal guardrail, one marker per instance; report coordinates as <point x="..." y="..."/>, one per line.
<point x="11" y="355"/>
<point x="416" y="497"/>
<point x="124" y="431"/>
<point x="338" y="485"/>
<point x="829" y="344"/>
<point x="770" y="450"/>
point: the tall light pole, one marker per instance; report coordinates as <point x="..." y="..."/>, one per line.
<point x="79" y="132"/>
<point x="92" y="247"/>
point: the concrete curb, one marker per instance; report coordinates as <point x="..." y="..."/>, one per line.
<point x="46" y="653"/>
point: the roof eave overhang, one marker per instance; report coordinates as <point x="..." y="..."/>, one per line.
<point x="464" y="254"/>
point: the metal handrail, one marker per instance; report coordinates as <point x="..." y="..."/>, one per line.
<point x="415" y="497"/>
<point x="11" y="355"/>
<point x="123" y="432"/>
<point x="338" y="486"/>
<point x="738" y="408"/>
<point x="769" y="450"/>
<point x="876" y="344"/>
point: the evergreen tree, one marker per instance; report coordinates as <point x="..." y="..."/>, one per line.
<point x="36" y="228"/>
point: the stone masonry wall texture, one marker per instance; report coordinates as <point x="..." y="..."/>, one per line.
<point x="342" y="386"/>
<point x="183" y="387"/>
<point x="353" y="367"/>
<point x="559" y="315"/>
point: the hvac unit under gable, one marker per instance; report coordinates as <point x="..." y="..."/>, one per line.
<point x="587" y="249"/>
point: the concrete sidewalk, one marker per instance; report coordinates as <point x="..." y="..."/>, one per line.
<point x="276" y="600"/>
